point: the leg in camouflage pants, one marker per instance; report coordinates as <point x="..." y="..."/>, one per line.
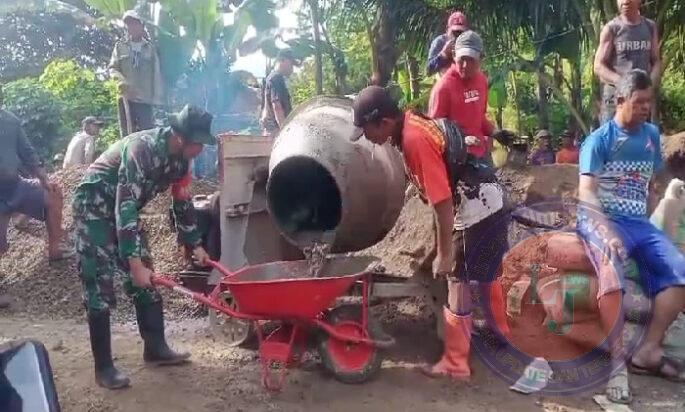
<point x="99" y="263"/>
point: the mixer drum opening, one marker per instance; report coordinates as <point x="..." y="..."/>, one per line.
<point x="303" y="198"/>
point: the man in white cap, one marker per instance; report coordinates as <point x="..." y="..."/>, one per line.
<point x="461" y="95"/>
<point x="81" y="149"/>
<point x="135" y="65"/>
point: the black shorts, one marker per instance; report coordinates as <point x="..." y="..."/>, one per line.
<point x="481" y="248"/>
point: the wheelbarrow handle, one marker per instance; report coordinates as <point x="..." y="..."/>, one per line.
<point x="162" y="280"/>
<point x="225" y="272"/>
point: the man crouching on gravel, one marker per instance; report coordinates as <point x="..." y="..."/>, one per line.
<point x="109" y="240"/>
<point x="468" y="204"/>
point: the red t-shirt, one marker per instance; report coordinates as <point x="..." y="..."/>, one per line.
<point x="568" y="156"/>
<point x="464" y="102"/>
<point x="423" y="144"/>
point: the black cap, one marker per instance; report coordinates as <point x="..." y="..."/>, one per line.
<point x="372" y="104"/>
<point x="92" y="120"/>
<point x="194" y="124"/>
<point x="287" y="54"/>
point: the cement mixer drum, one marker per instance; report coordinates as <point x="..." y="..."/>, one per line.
<point x="324" y="187"/>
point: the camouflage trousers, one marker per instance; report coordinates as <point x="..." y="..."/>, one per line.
<point x="100" y="264"/>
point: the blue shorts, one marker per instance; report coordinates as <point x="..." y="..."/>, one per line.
<point x="659" y="261"/>
<point x="28" y="198"/>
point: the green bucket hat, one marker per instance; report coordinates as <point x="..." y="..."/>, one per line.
<point x="194" y="124"/>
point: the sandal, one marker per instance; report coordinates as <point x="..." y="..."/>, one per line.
<point x="658" y="370"/>
<point x="618" y="390"/>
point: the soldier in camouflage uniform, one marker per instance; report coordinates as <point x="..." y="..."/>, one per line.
<point x="109" y="238"/>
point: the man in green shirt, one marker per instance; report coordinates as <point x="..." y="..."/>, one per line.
<point x="109" y="240"/>
<point x="135" y="65"/>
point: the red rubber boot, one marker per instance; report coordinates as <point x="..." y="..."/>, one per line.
<point x="455" y="359"/>
<point x="498" y="307"/>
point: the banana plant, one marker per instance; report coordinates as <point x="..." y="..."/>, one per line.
<point x="111" y="9"/>
<point x="193" y="37"/>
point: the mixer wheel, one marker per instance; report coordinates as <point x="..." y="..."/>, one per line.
<point x="233" y="332"/>
<point x="350" y="362"/>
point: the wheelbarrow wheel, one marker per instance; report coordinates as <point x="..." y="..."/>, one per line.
<point x="350" y="362"/>
<point x="233" y="332"/>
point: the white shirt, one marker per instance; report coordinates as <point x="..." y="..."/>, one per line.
<point x="474" y="208"/>
<point x="80" y="151"/>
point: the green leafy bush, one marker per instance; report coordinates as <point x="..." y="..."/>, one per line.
<point x="80" y="92"/>
<point x="40" y="112"/>
<point x="673" y="103"/>
<point x="52" y="107"/>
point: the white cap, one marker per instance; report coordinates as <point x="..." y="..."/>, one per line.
<point x="131" y="14"/>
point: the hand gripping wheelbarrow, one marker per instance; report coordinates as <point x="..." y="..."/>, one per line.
<point x="349" y="344"/>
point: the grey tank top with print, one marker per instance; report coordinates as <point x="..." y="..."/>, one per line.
<point x="632" y="46"/>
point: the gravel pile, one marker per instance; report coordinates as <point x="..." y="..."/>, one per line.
<point x="54" y="290"/>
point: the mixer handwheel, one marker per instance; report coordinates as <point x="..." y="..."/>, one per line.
<point x="234" y="332"/>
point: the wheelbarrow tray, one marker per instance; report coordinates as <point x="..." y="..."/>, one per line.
<point x="285" y="290"/>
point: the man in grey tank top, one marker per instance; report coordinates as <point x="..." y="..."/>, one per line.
<point x="629" y="41"/>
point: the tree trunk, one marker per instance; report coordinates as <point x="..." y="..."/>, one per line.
<point x="597" y="99"/>
<point x="414" y="79"/>
<point x="384" y="43"/>
<point x="339" y="65"/>
<point x="609" y="8"/>
<point x="576" y="93"/>
<point x="500" y="117"/>
<point x="514" y="85"/>
<point x="543" y="107"/>
<point x="318" y="59"/>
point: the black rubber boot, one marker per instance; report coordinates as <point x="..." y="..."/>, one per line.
<point x="151" y="326"/>
<point x="106" y="375"/>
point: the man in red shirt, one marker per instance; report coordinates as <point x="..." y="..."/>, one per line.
<point x="461" y="95"/>
<point x="469" y="211"/>
<point x="569" y="152"/>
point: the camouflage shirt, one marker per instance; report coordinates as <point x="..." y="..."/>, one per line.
<point x="127" y="176"/>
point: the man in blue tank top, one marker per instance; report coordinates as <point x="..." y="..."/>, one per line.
<point x="617" y="164"/>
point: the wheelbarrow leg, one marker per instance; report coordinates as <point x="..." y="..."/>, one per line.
<point x="276" y="352"/>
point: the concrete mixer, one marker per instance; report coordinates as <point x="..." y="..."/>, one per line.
<point x="310" y="184"/>
<point x="322" y="184"/>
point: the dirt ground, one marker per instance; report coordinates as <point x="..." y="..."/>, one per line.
<point x="226" y="379"/>
<point x="220" y="378"/>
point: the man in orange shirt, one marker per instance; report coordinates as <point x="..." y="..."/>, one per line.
<point x="461" y="95"/>
<point x="568" y="152"/>
<point x="469" y="210"/>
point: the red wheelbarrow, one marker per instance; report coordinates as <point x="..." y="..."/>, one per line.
<point x="283" y="291"/>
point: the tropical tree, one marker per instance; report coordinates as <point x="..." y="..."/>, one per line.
<point x="31" y="39"/>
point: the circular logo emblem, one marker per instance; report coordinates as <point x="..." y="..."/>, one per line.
<point x="561" y="258"/>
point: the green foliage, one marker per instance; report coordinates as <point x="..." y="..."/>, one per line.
<point x="29" y="40"/>
<point x="197" y="48"/>
<point x="80" y="92"/>
<point x="111" y="8"/>
<point x="673" y="102"/>
<point x="51" y="107"/>
<point x="40" y="113"/>
<point x="108" y="136"/>
<point x="350" y="56"/>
